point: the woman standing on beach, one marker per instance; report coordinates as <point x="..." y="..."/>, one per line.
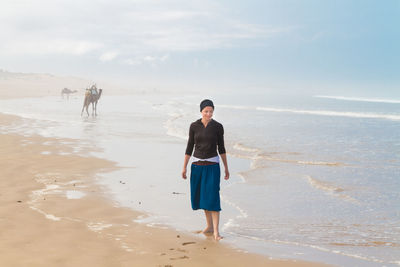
<point x="206" y="135"/>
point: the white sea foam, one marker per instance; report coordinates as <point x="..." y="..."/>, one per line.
<point x="229" y="224"/>
<point x="172" y="129"/>
<point x="127" y="248"/>
<point x="258" y="159"/>
<point x="52" y="217"/>
<point x="326" y="186"/>
<point x="364" y="115"/>
<point x="73" y="194"/>
<point x="350" y="114"/>
<point x="361" y="99"/>
<point x="331" y="189"/>
<point x="242" y="147"/>
<point x="242" y="213"/>
<point x="236" y="107"/>
<point x="319" y="163"/>
<point x="46" y="215"/>
<point x="157" y="225"/>
<point x="97" y="226"/>
<point x="246" y="152"/>
<point x="242" y="156"/>
<point x="38" y="194"/>
<point x="303" y="162"/>
<point x="317" y="247"/>
<point x="242" y="179"/>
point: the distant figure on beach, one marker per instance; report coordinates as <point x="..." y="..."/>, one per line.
<point x="67" y="92"/>
<point x="92" y="96"/>
<point x="206" y="136"/>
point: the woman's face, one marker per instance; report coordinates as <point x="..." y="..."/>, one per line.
<point x="207" y="113"/>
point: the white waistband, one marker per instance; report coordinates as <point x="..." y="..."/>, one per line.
<point x="213" y="159"/>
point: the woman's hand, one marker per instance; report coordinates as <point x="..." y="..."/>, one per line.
<point x="226" y="174"/>
<point x="225" y="161"/>
<point x="185" y="163"/>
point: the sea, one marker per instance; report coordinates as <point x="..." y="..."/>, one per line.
<point x="313" y="177"/>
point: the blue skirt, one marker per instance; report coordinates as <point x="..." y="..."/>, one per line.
<point x="204" y="187"/>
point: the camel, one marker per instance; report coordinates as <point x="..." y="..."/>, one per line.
<point x="67" y="92"/>
<point x="91" y="97"/>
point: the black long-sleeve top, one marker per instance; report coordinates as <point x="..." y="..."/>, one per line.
<point x="205" y="140"/>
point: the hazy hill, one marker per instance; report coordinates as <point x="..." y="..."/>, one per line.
<point x="37" y="84"/>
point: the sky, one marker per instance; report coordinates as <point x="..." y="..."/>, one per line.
<point x="329" y="46"/>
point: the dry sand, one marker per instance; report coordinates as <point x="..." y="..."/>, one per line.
<point x="41" y="226"/>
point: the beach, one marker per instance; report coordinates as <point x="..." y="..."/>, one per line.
<point x="308" y="96"/>
<point x="55" y="212"/>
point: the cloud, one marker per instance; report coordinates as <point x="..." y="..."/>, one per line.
<point x="48" y="46"/>
<point x="136" y="29"/>
<point x="153" y="60"/>
<point x="108" y="56"/>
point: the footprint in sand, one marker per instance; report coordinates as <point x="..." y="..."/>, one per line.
<point x="180" y="258"/>
<point x="188" y="243"/>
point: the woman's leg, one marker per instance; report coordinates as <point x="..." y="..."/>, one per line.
<point x="215" y="221"/>
<point x="209" y="228"/>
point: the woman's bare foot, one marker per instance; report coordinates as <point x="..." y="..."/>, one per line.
<point x="208" y="231"/>
<point x="217" y="237"/>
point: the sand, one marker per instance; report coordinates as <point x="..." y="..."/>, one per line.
<point x="53" y="213"/>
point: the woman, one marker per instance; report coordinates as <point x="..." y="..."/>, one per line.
<point x="206" y="135"/>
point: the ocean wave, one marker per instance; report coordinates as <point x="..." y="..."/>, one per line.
<point x="320" y="163"/>
<point x="363" y="115"/>
<point x="302" y="162"/>
<point x="172" y="129"/>
<point x="259" y="159"/>
<point x="246" y="152"/>
<point x="367" y="244"/>
<point x="331" y="189"/>
<point x="239" y="146"/>
<point x="330" y="113"/>
<point x="361" y="99"/>
<point x="242" y="212"/>
<point x="325" y="186"/>
<point x="316" y="247"/>
<point x="236" y="107"/>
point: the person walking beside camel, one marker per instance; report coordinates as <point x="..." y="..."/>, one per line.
<point x="91" y="97"/>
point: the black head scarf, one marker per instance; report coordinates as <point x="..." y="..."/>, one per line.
<point x="206" y="103"/>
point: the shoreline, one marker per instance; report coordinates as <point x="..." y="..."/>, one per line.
<point x="87" y="228"/>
